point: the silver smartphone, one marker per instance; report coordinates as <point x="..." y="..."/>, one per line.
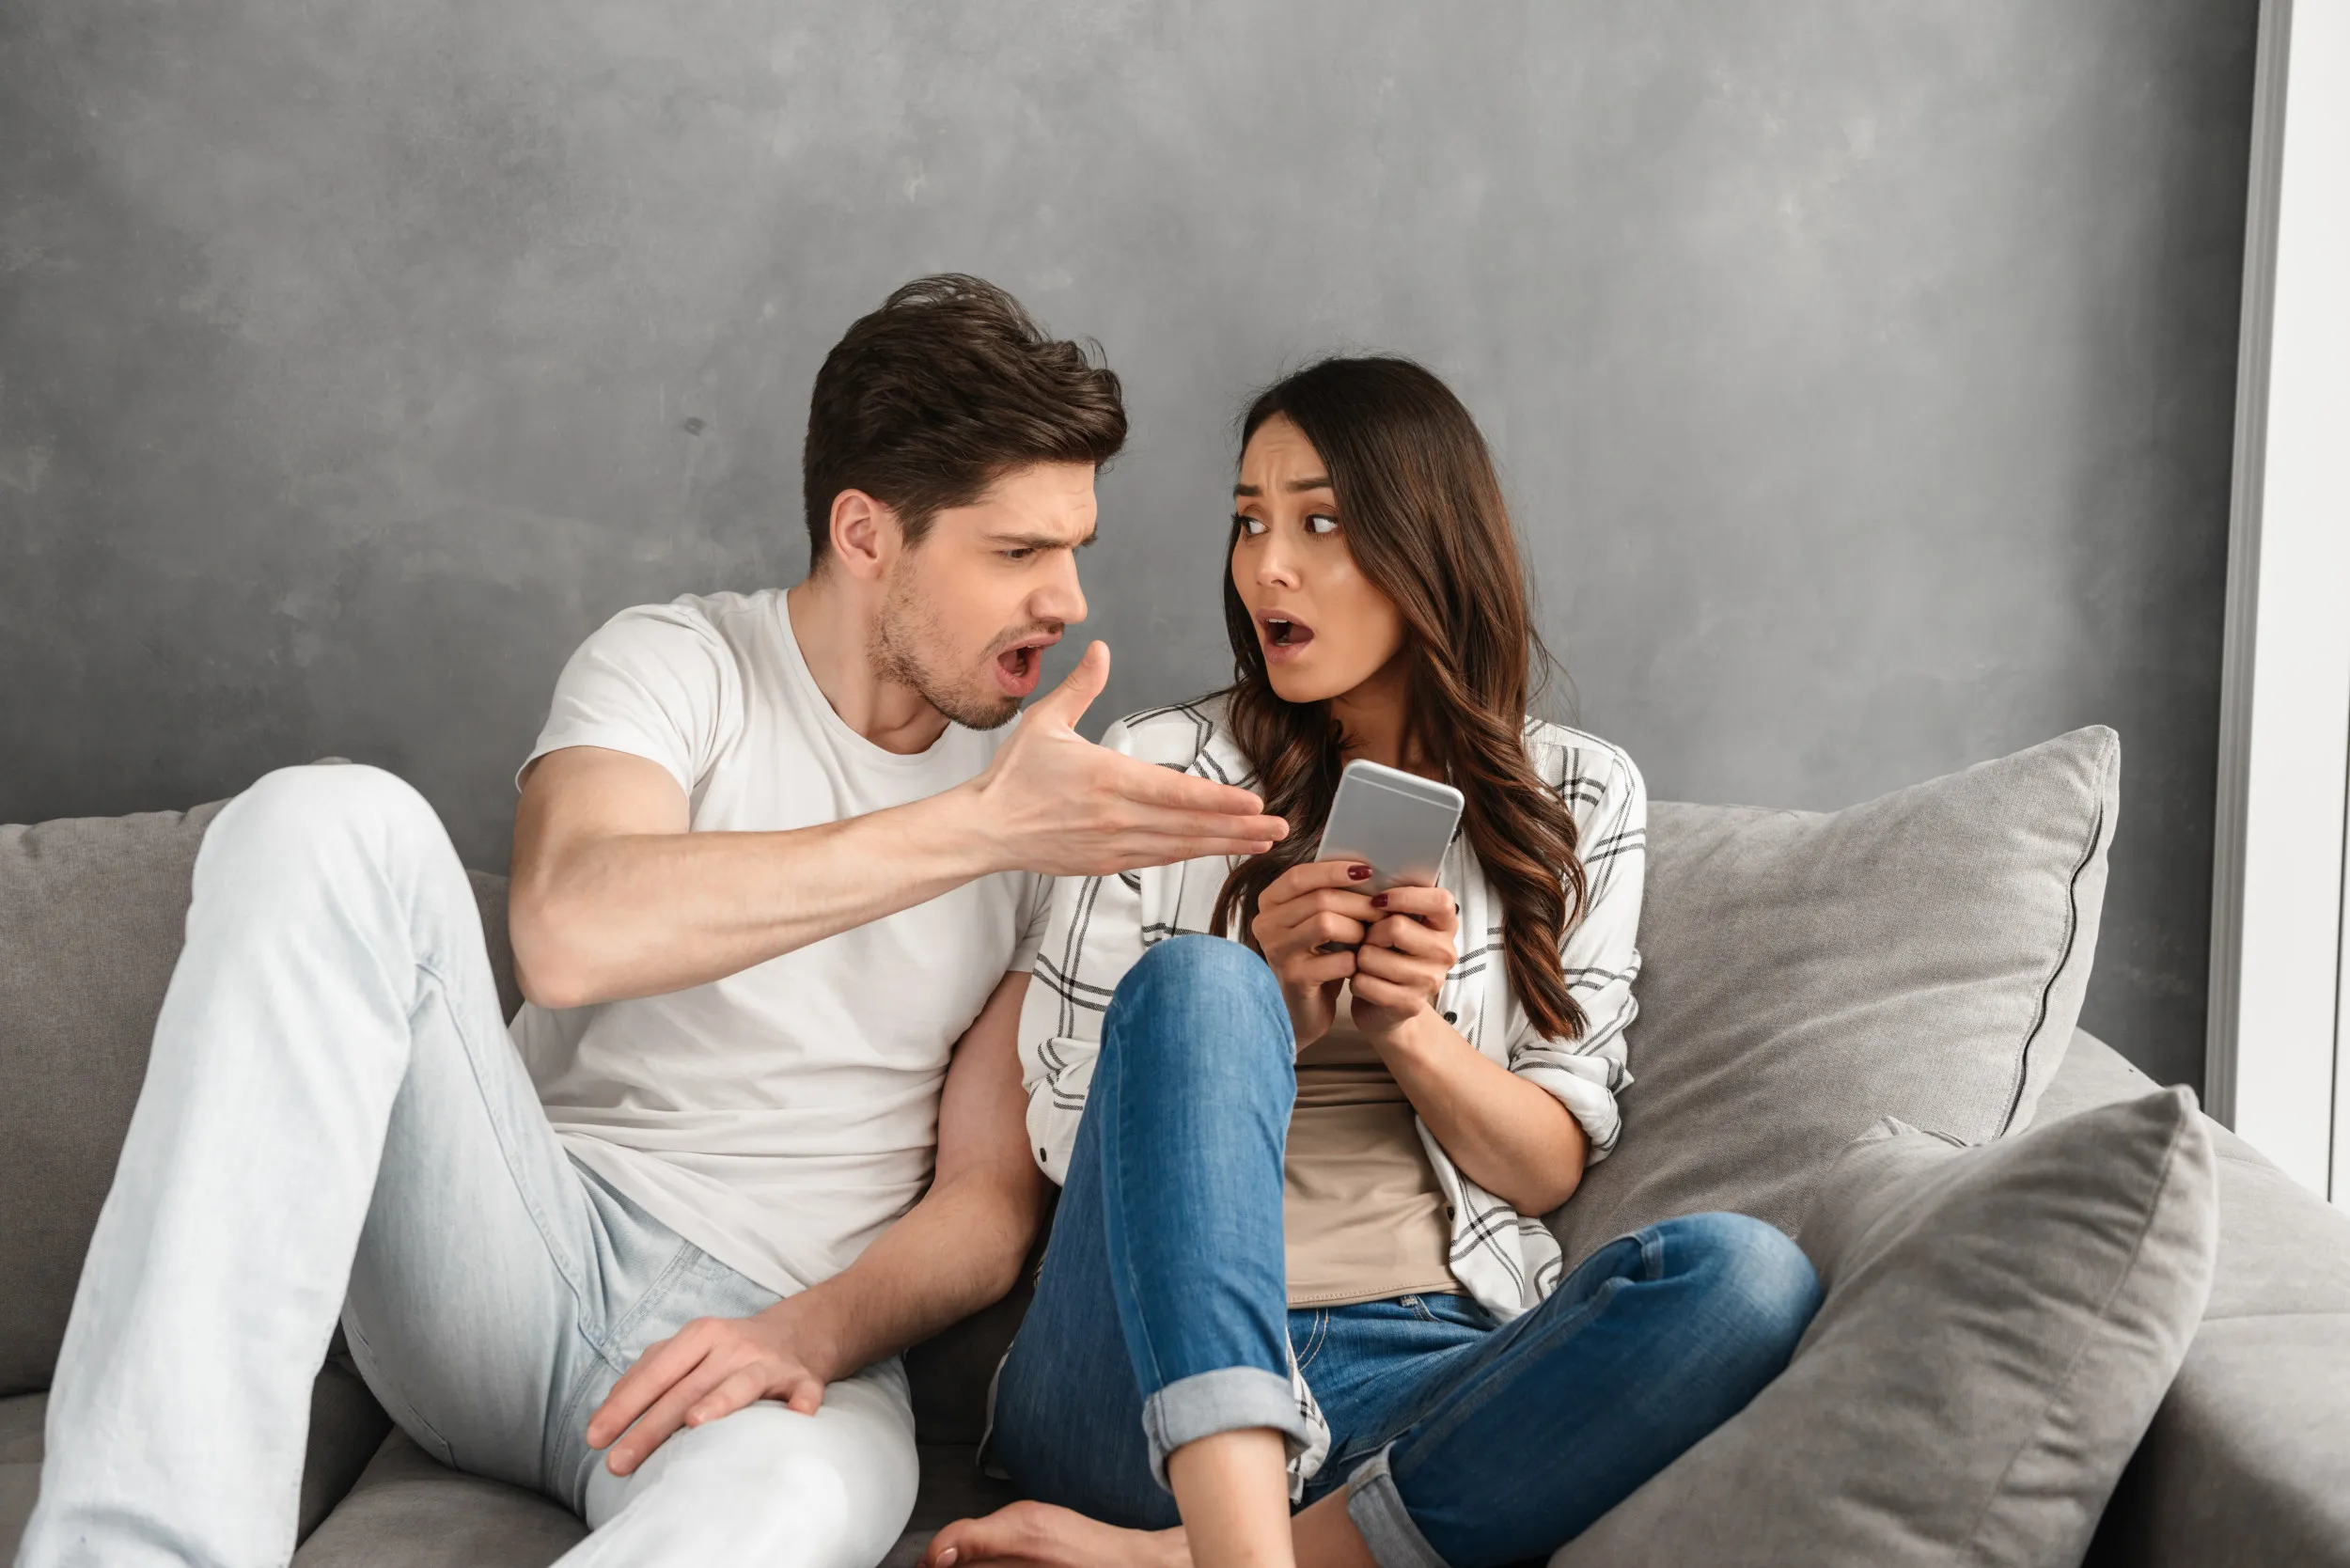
<point x="1397" y="822"/>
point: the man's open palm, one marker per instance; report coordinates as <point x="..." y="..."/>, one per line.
<point x="1058" y="803"/>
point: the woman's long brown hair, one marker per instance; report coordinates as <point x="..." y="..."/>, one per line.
<point x="1421" y="508"/>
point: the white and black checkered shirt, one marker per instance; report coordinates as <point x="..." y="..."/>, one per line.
<point x="1098" y="926"/>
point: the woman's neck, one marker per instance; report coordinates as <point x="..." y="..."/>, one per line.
<point x="1375" y="718"/>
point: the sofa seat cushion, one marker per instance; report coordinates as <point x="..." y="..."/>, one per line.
<point x="20" y="1417"/>
<point x="1921" y="955"/>
<point x="2247" y="1461"/>
<point x="2000" y="1324"/>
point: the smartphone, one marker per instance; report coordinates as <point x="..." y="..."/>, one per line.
<point x="1397" y="822"/>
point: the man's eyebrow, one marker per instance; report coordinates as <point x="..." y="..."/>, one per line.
<point x="1043" y="541"/>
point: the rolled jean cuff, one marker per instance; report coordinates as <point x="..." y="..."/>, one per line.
<point x="1378" y="1511"/>
<point x="1230" y="1398"/>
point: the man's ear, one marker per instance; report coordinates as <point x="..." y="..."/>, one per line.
<point x="865" y="535"/>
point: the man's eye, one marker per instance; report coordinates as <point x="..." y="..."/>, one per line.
<point x="1321" y="523"/>
<point x="1022" y="554"/>
<point x="1248" y="525"/>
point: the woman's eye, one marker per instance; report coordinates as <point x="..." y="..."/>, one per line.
<point x="1321" y="523"/>
<point x="1248" y="525"/>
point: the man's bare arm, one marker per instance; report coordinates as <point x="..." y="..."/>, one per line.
<point x="954" y="1252"/>
<point x="613" y="897"/>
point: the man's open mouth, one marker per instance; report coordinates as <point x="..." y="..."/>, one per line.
<point x="1017" y="667"/>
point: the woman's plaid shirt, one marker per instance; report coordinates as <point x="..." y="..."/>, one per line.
<point x="1098" y="926"/>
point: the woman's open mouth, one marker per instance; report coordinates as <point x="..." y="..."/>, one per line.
<point x="1283" y="636"/>
<point x="1018" y="667"/>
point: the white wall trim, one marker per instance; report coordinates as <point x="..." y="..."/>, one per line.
<point x="2283" y="800"/>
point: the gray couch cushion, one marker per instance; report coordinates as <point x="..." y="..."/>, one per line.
<point x="2248" y="1462"/>
<point x="1999" y="1326"/>
<point x="1922" y="956"/>
<point x="409" y="1511"/>
<point x="90" y="912"/>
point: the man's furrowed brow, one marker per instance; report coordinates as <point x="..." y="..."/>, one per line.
<point x="1042" y="541"/>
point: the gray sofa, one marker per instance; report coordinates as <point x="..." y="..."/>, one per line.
<point x="2247" y="1462"/>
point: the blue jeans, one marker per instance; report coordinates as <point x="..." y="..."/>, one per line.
<point x="1161" y="1314"/>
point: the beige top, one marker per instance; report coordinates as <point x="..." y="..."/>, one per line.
<point x="1362" y="1214"/>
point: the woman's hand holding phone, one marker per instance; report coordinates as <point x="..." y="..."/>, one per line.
<point x="1401" y="964"/>
<point x="1309" y="920"/>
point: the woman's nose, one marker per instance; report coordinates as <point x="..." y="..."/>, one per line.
<point x="1273" y="567"/>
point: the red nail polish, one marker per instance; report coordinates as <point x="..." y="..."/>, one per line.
<point x="1379" y="900"/>
<point x="1358" y="873"/>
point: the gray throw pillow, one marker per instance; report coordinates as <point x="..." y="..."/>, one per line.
<point x="1921" y="955"/>
<point x="2000" y="1323"/>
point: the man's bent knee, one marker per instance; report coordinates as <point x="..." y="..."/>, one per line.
<point x="329" y="811"/>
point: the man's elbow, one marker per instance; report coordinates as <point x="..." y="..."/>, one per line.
<point x="1018" y="1200"/>
<point x="550" y="965"/>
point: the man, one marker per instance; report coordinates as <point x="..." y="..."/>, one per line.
<point x="761" y="1128"/>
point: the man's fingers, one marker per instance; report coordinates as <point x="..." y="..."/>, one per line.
<point x="738" y="1391"/>
<point x="807" y="1396"/>
<point x="1190" y="823"/>
<point x="1137" y="850"/>
<point x="1149" y="784"/>
<point x="633" y="1395"/>
<point x="1066" y="703"/>
<point x="655" y="1427"/>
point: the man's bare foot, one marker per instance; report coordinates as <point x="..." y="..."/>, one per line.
<point x="1038" y="1535"/>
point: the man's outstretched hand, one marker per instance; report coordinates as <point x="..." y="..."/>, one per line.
<point x="711" y="1367"/>
<point x="1054" y="802"/>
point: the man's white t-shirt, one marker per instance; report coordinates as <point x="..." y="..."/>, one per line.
<point x="781" y="1118"/>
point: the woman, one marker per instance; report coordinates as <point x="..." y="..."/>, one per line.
<point x="1298" y="1257"/>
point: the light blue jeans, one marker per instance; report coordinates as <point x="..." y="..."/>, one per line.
<point x="335" y="1123"/>
<point x="1161" y="1314"/>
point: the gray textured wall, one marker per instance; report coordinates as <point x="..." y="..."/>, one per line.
<point x="1862" y="371"/>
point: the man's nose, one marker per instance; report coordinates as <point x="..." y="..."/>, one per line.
<point x="1062" y="598"/>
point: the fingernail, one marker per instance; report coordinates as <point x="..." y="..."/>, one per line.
<point x="946" y="1559"/>
<point x="1379" y="900"/>
<point x="1358" y="873"/>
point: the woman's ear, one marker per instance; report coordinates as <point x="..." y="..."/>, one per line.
<point x="866" y="534"/>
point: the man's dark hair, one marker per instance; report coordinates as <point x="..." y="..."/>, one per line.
<point x="925" y="402"/>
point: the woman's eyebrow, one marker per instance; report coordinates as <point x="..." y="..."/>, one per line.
<point x="1319" y="481"/>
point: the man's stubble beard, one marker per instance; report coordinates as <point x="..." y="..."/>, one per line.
<point x="904" y="648"/>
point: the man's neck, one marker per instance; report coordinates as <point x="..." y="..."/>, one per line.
<point x="833" y="621"/>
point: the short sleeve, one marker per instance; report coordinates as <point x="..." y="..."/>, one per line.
<point x="1036" y="914"/>
<point x="657" y="682"/>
